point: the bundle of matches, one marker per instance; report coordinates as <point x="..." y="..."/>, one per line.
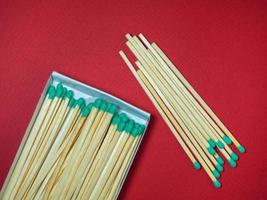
<point x="74" y="150"/>
<point x="198" y="130"/>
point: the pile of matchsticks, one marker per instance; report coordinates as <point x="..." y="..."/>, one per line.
<point x="74" y="150"/>
<point x="198" y="130"/>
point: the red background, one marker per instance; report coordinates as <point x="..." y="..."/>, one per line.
<point x="220" y="46"/>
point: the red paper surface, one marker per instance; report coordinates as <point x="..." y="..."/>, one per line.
<point x="220" y="46"/>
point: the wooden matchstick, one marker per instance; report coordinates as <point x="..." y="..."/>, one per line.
<point x="38" y="141"/>
<point x="92" y="178"/>
<point x="166" y="118"/>
<point x="51" y="93"/>
<point x="127" y="148"/>
<point x="85" y="164"/>
<point x="199" y="99"/>
<point x="53" y="155"/>
<point x="98" y="158"/>
<point x="112" y="161"/>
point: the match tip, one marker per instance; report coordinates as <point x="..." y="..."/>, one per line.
<point x="216" y="173"/>
<point x="81" y="103"/>
<point x="103" y="107"/>
<point x="98" y="102"/>
<point x="123" y="117"/>
<point x="64" y="93"/>
<point x="241" y="149"/>
<point x="72" y="102"/>
<point x="227" y="140"/>
<point x="51" y="92"/>
<point x="211" y="142"/>
<point x="112" y="108"/>
<point x="86" y="110"/>
<point x="60" y="90"/>
<point x="69" y="94"/>
<point x="220" y="160"/>
<point x="220" y="144"/>
<point x="211" y="150"/>
<point x="219" y="167"/>
<point x="217" y="184"/>
<point x="234" y="156"/>
<point x="129" y="127"/>
<point x="232" y="162"/>
<point x="121" y="126"/>
<point x="115" y="120"/>
<point x="135" y="131"/>
<point x="197" y="166"/>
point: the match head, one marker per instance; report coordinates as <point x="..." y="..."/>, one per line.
<point x="219" y="167"/>
<point x="91" y="105"/>
<point x="103" y="107"/>
<point x="227" y="140"/>
<point x="81" y="103"/>
<point x="129" y="127"/>
<point x="121" y="126"/>
<point x="220" y="160"/>
<point x="69" y="94"/>
<point x="64" y="93"/>
<point x="216" y="173"/>
<point x="115" y="120"/>
<point x="135" y="131"/>
<point x="217" y="184"/>
<point x="124" y="117"/>
<point x="142" y="129"/>
<point x="232" y="162"/>
<point x="72" y="102"/>
<point x="220" y="144"/>
<point x="85" y="111"/>
<point x="60" y="89"/>
<point x="234" y="156"/>
<point x="211" y="142"/>
<point x="241" y="149"/>
<point x="211" y="150"/>
<point x="197" y="166"/>
<point x="112" y="108"/>
<point x="98" y="102"/>
<point x="51" y="92"/>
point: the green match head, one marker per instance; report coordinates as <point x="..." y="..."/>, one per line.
<point x="112" y="108"/>
<point x="219" y="167"/>
<point x="129" y="127"/>
<point x="135" y="131"/>
<point x="115" y="120"/>
<point x="211" y="142"/>
<point x="85" y="111"/>
<point x="121" y="126"/>
<point x="124" y="117"/>
<point x="72" y="102"/>
<point x="241" y="149"/>
<point x="64" y="93"/>
<point x="220" y="160"/>
<point x="51" y="92"/>
<point x="211" y="150"/>
<point x="216" y="173"/>
<point x="234" y="156"/>
<point x="81" y="103"/>
<point x="69" y="94"/>
<point x="217" y="184"/>
<point x="227" y="140"/>
<point x="197" y="166"/>
<point x="220" y="144"/>
<point x="103" y="107"/>
<point x="91" y="105"/>
<point x="141" y="129"/>
<point x="232" y="162"/>
<point x="59" y="90"/>
<point x="98" y="103"/>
